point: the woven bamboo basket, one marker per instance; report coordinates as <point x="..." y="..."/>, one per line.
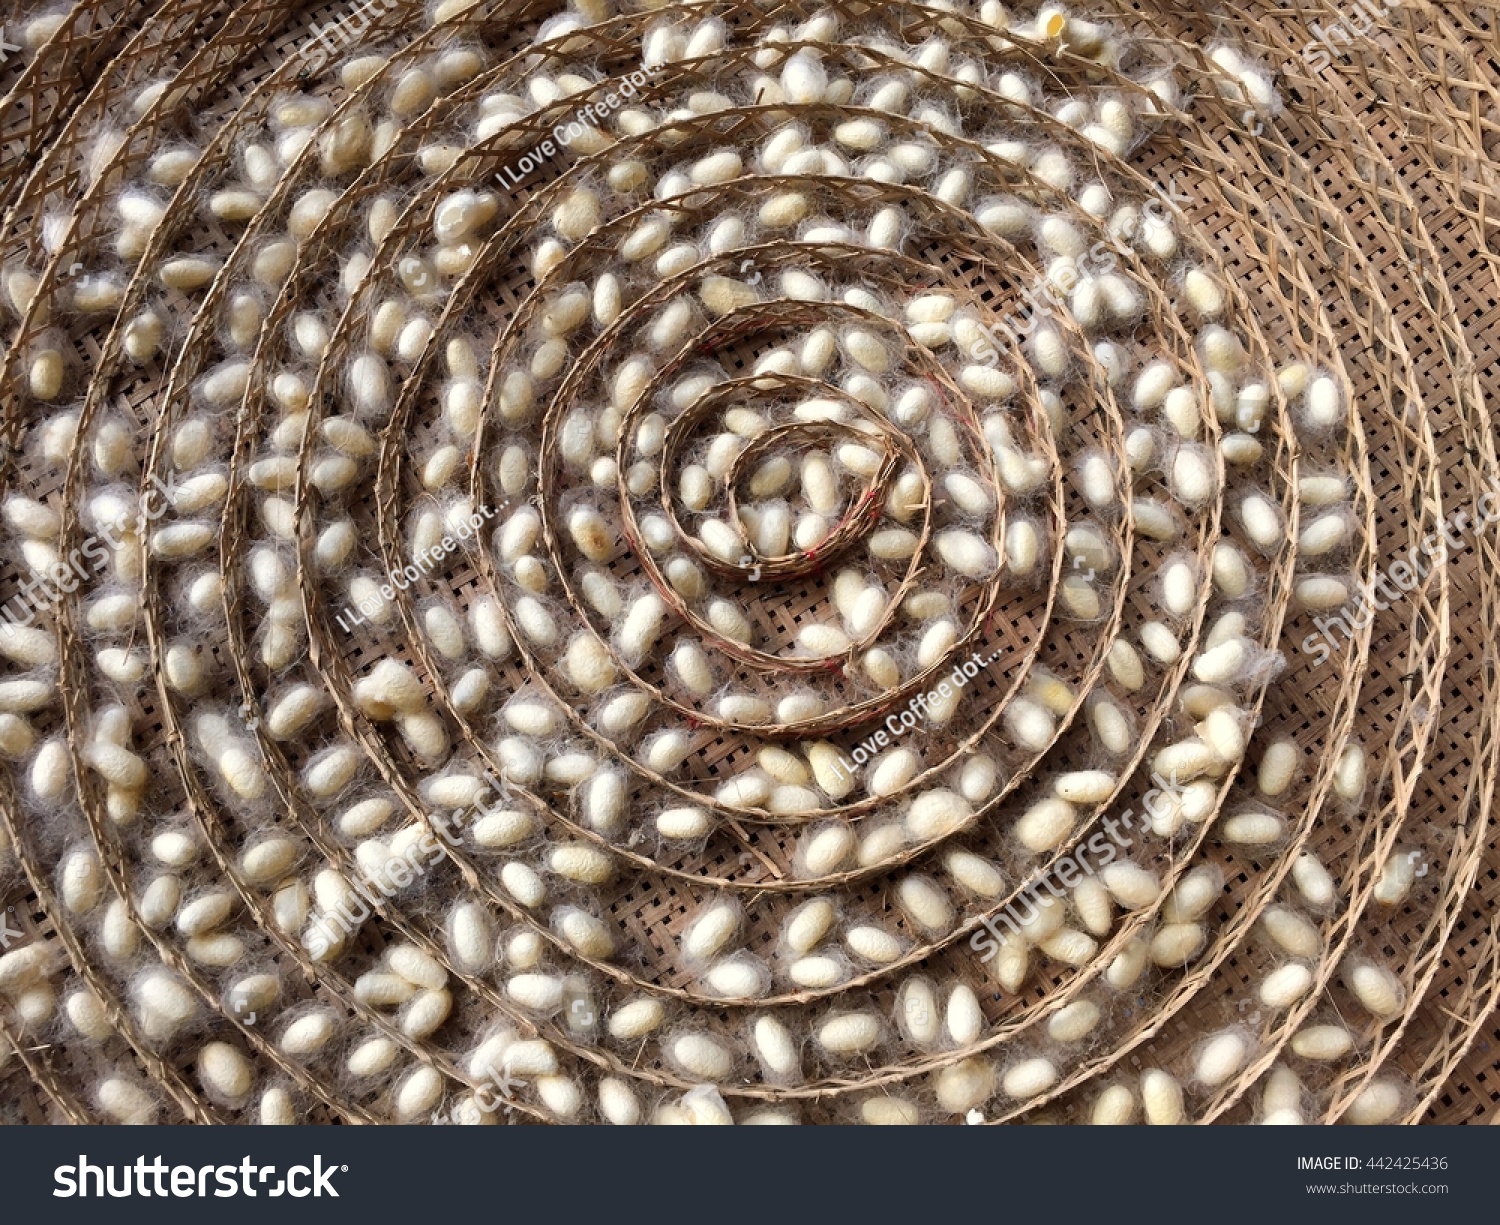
<point x="686" y="896"/>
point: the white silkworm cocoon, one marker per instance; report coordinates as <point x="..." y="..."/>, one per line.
<point x="850" y="1033"/>
<point x="1030" y="1078"/>
<point x="1325" y="407"/>
<point x="126" y="1102"/>
<point x="1278" y="766"/>
<point x="684" y="824"/>
<point x="1322" y="1043"/>
<point x="775" y="1048"/>
<point x="925" y="903"/>
<point x="827" y="849"/>
<point x="1313" y="880"/>
<point x="641" y="627"/>
<point x="804" y="80"/>
<point x="1174" y="945"/>
<point x="873" y="944"/>
<point x="1291" y="932"/>
<point x="967" y="553"/>
<point x="1377" y="1103"/>
<point x="1161" y="1098"/>
<point x="1350" y="775"/>
<point x="1221" y="1057"/>
<point x="977" y="875"/>
<point x="1194" y="480"/>
<point x="1378" y="990"/>
<point x="1283" y="987"/>
<point x="536" y="622"/>
<point x="702" y="1057"/>
<point x="816" y="973"/>
<point x="1325" y="534"/>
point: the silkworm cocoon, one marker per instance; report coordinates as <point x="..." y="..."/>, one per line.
<point x="702" y="1057"/>
<point x="1222" y="663"/>
<point x="808" y="924"/>
<point x="935" y="814"/>
<point x="536" y="622"/>
<point x="1046" y="824"/>
<point x="1262" y="521"/>
<point x="1153" y="520"/>
<point x="892" y="771"/>
<point x="709" y="933"/>
<point x="1324" y="534"/>
<point x="1278" y="767"/>
<point x="1126" y="968"/>
<point x="1125" y="665"/>
<point x="617" y="1102"/>
<point x="963" y="1017"/>
<point x="1181" y="411"/>
<point x="1241" y="450"/>
<point x="1324" y="404"/>
<point x="783" y="210"/>
<point x="873" y="944"/>
<point x="738" y="977"/>
<point x="1377" y="1103"/>
<point x="1130" y="884"/>
<point x="965" y="1085"/>
<point x="205" y="913"/>
<point x="987" y="382"/>
<point x="775" y="1048"/>
<point x="1115" y="1107"/>
<point x="1291" y="932"/>
<point x="582" y="863"/>
<point x="667" y="750"/>
<point x="369" y="384"/>
<point x="539" y="993"/>
<point x="418" y="1093"/>
<point x="1176" y="944"/>
<point x="1378" y="990"/>
<point x="827" y="849"/>
<point x="158" y="903"/>
<point x="1161" y="1098"/>
<point x="224" y="1071"/>
<point x="23" y="968"/>
<point x="86" y="1015"/>
<point x="642" y="625"/>
<point x="1230" y="570"/>
<point x="816" y="973"/>
<point x="45" y="377"/>
<point x="187" y="273"/>
<point x="1028" y="1079"/>
<point x="967" y="553"/>
<point x="126" y="1102"/>
<point x="1084" y="786"/>
<point x="1112" y="726"/>
<point x="925" y="903"/>
<point x="1220" y="1058"/>
<point x="1224" y="732"/>
<point x="1312" y="880"/>
<point x="372" y="1057"/>
<point x="1350" y="775"/>
<point x="636" y="1019"/>
<point x="1283" y="987"/>
<point x="850" y="1033"/>
<point x="684" y="824"/>
<point x="1322" y="1042"/>
<point x="1193" y="478"/>
<point x="164" y="1001"/>
<point x="501" y="829"/>
<point x="804" y="80"/>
